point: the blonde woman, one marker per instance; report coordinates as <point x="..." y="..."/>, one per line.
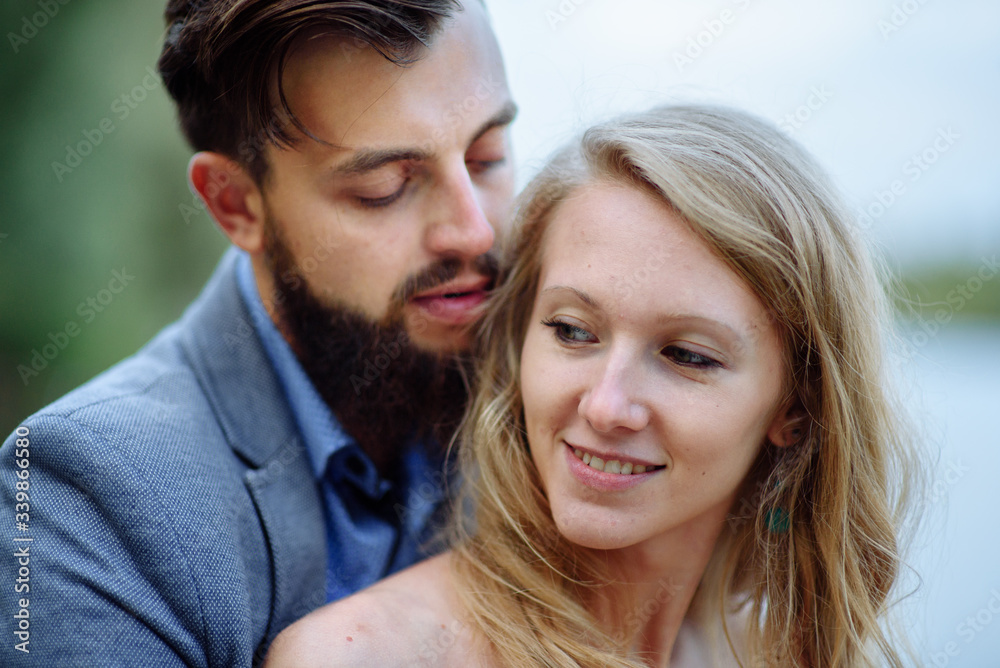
<point x="682" y="450"/>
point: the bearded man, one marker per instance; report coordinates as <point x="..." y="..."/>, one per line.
<point x="281" y="445"/>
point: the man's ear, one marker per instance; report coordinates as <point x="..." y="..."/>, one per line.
<point x="231" y="196"/>
<point x="789" y="424"/>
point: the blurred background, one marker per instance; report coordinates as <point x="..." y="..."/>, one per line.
<point x="102" y="244"/>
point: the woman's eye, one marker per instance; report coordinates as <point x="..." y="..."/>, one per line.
<point x="689" y="358"/>
<point x="568" y="333"/>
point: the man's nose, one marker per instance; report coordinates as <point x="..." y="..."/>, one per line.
<point x="461" y="228"/>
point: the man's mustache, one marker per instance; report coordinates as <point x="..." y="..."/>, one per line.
<point x="440" y="273"/>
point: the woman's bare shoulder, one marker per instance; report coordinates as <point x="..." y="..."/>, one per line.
<point x="409" y="619"/>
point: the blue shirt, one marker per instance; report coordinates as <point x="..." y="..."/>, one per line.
<point x="374" y="526"/>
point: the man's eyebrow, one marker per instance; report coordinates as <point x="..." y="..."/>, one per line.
<point x="367" y="160"/>
<point x="500" y="119"/>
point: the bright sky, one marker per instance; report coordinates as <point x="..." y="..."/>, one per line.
<point x="888" y="81"/>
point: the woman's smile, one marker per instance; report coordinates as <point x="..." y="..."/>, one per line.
<point x="614" y="463"/>
<point x="609" y="475"/>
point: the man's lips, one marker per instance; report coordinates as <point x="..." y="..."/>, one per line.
<point x="455" y="287"/>
<point x="454" y="302"/>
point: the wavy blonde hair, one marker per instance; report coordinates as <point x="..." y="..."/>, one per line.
<point x="812" y="547"/>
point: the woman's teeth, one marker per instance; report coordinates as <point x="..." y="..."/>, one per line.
<point x="612" y="466"/>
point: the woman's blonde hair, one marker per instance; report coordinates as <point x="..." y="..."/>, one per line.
<point x="811" y="547"/>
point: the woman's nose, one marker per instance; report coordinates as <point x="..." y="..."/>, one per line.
<point x="612" y="401"/>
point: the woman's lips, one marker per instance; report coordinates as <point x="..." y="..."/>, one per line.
<point x="607" y="480"/>
<point x="613" y="463"/>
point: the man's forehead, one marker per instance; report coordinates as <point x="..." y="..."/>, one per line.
<point x="353" y="98"/>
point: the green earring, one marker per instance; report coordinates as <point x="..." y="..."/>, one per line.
<point x="778" y="520"/>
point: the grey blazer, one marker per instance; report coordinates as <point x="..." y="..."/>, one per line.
<point x="172" y="514"/>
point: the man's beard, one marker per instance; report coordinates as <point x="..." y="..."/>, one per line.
<point x="382" y="388"/>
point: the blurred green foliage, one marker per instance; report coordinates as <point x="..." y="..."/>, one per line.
<point x="63" y="233"/>
<point x="947" y="291"/>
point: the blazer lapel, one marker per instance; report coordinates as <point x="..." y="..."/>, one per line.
<point x="252" y="409"/>
<point x="287" y="501"/>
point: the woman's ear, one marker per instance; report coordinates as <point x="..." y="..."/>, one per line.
<point x="231" y="196"/>
<point x="789" y="424"/>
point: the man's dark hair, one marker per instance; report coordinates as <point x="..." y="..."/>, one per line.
<point x="219" y="57"/>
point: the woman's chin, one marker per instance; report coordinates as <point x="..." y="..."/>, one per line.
<point x="593" y="534"/>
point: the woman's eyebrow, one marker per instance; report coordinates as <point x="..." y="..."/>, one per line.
<point x="580" y="294"/>
<point x="719" y="327"/>
<point x="723" y="328"/>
